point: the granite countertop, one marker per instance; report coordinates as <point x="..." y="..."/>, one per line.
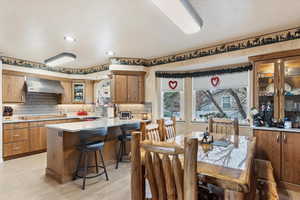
<point x="297" y="130"/>
<point x="49" y="119"/>
<point x="91" y="125"/>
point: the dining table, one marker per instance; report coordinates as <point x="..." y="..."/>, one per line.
<point x="227" y="162"/>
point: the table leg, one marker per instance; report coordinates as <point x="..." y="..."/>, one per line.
<point x="233" y="195"/>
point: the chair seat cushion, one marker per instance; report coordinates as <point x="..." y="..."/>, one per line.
<point x="93" y="146"/>
<point x="125" y="137"/>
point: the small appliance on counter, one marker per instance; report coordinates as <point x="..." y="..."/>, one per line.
<point x="125" y="115"/>
<point x="7" y="111"/>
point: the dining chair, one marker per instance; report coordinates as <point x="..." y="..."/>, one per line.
<point x="153" y="132"/>
<point x="168" y="128"/>
<point x="223" y="126"/>
<point x="168" y="178"/>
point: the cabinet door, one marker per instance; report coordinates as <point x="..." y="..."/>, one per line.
<point x="266" y="86"/>
<point x="120" y="93"/>
<point x="290" y="90"/>
<point x="66" y="98"/>
<point x="13" y="89"/>
<point x="89" y="92"/>
<point x="268" y="147"/>
<point x="133" y="89"/>
<point x="141" y="89"/>
<point x="290" y="157"/>
<point x="37" y="138"/>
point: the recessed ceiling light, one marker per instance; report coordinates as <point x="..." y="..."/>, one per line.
<point x="60" y="59"/>
<point x="181" y="13"/>
<point x="110" y="53"/>
<point x="69" y="39"/>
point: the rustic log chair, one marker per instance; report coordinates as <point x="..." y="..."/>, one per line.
<point x="163" y="169"/>
<point x="153" y="132"/>
<point x="223" y="126"/>
<point x="168" y="128"/>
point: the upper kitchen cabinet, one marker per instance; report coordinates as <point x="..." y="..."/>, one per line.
<point x="13" y="88"/>
<point x="277" y="84"/>
<point x="66" y="97"/>
<point x="78" y="92"/>
<point x="128" y="87"/>
<point x="89" y="92"/>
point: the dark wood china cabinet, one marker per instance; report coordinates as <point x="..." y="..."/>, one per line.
<point x="277" y="83"/>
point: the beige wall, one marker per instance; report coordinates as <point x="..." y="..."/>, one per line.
<point x="153" y="89"/>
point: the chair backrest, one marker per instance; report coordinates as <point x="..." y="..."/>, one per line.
<point x="168" y="178"/>
<point x="168" y="128"/>
<point x="152" y="132"/>
<point x="223" y="126"/>
<point x="87" y="135"/>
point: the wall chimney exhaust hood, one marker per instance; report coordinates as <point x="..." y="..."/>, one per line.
<point x="60" y="59"/>
<point x="38" y="85"/>
<point x="181" y="13"/>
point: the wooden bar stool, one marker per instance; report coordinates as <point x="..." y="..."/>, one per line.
<point x="86" y="147"/>
<point x="125" y="137"/>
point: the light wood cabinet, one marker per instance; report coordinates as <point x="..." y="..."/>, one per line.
<point x="12" y="149"/>
<point x="283" y="150"/>
<point x="128" y="87"/>
<point x="89" y="92"/>
<point x="13" y="88"/>
<point x="66" y="97"/>
<point x="38" y="138"/>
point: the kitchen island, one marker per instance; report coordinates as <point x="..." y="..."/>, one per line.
<point x="62" y="139"/>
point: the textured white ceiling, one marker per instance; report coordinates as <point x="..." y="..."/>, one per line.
<point x="34" y="29"/>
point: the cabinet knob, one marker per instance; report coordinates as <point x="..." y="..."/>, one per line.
<point x="284" y="138"/>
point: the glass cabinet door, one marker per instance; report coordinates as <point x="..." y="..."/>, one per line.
<point x="266" y="93"/>
<point x="290" y="90"/>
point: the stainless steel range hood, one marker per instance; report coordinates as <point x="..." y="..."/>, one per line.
<point x="38" y="85"/>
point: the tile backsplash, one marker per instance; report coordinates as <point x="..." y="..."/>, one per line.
<point x="24" y="109"/>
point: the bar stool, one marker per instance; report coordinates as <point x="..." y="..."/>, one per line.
<point x="123" y="138"/>
<point x="88" y="146"/>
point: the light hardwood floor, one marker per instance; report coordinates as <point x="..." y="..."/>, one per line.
<point x="24" y="178"/>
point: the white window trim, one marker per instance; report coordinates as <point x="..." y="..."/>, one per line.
<point x="182" y="105"/>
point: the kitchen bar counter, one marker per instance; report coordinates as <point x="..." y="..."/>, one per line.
<point x="91" y="125"/>
<point x="62" y="139"/>
<point x="296" y="130"/>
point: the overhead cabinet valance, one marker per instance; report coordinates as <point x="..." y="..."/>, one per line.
<point x="225" y="81"/>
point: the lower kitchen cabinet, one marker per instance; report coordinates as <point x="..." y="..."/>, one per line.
<point x="290" y="158"/>
<point x="283" y="150"/>
<point x="15" y="148"/>
<point x="38" y="138"/>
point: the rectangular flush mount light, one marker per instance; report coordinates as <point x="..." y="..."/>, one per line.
<point x="60" y="59"/>
<point x="181" y="13"/>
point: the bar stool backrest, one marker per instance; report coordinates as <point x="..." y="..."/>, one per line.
<point x="129" y="127"/>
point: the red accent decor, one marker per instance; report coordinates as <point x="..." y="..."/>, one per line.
<point x="173" y="84"/>
<point x="215" y="80"/>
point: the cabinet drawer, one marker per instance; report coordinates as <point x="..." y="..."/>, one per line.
<point x="8" y="126"/>
<point x="15" y="135"/>
<point x="21" y="125"/>
<point x="15" y="148"/>
<point x="36" y="124"/>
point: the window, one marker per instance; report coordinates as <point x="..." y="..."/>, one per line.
<point x="226" y="102"/>
<point x="172" y="94"/>
<point x="229" y="99"/>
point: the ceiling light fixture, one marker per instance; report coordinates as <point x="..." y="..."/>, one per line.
<point x="110" y="53"/>
<point x="60" y="59"/>
<point x="69" y="39"/>
<point x="181" y="13"/>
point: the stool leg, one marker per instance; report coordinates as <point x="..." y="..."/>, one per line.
<point x="103" y="164"/>
<point x="119" y="156"/>
<point x="78" y="166"/>
<point x="96" y="162"/>
<point x="85" y="169"/>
